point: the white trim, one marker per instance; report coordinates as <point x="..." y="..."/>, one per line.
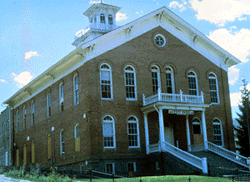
<point x="196" y="123"/>
<point x="196" y="81"/>
<point x="113" y="166"/>
<point x="110" y="76"/>
<point x="172" y="78"/>
<point x="48" y="104"/>
<point x="112" y="121"/>
<point x="158" y="78"/>
<point x="137" y="127"/>
<point x="164" y="39"/>
<point x="134" y="166"/>
<point x="62" y="143"/>
<point x="135" y="86"/>
<point x="61" y="96"/>
<point x="75" y="132"/>
<point x="76" y="90"/>
<point x="217" y="88"/>
<point x="221" y="129"/>
<point x="32" y="112"/>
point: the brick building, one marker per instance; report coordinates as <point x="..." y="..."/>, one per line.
<point x="127" y="98"/>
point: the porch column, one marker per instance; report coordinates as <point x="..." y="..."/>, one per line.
<point x="188" y="134"/>
<point x="161" y="128"/>
<point x="146" y="132"/>
<point x="204" y="129"/>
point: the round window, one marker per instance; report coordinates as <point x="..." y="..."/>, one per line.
<point x="160" y="40"/>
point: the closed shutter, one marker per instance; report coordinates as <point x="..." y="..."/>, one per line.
<point x="33" y="153"/>
<point x="77" y="144"/>
<point x="24" y="155"/>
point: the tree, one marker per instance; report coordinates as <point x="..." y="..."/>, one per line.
<point x="242" y="131"/>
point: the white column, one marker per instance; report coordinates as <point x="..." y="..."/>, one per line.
<point x="188" y="135"/>
<point x="146" y="132"/>
<point x="161" y="128"/>
<point x="204" y="129"/>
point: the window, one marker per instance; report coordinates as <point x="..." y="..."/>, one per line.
<point x="196" y="126"/>
<point x="130" y="83"/>
<point x="170" y="80"/>
<point x="108" y="132"/>
<point x="156" y="79"/>
<point x="192" y="83"/>
<point x="17" y="121"/>
<point x="49" y="147"/>
<point x="76" y="92"/>
<point x="160" y="40"/>
<point x="102" y="18"/>
<point x="32" y="113"/>
<point x="110" y="19"/>
<point x="131" y="166"/>
<point x="218" y="137"/>
<point x="33" y="152"/>
<point x="110" y="168"/>
<point x="48" y="105"/>
<point x="213" y="85"/>
<point x="61" y="99"/>
<point x="62" y="149"/>
<point x="106" y="81"/>
<point x="24" y="118"/>
<point x="133" y="132"/>
<point x="77" y="138"/>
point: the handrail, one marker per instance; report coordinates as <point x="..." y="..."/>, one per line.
<point x="154" y="148"/>
<point x="200" y="163"/>
<point x="237" y="158"/>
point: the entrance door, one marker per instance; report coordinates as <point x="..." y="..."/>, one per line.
<point x="169" y="134"/>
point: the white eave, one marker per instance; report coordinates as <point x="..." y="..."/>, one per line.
<point x="162" y="17"/>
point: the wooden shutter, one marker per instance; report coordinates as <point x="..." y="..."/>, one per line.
<point x="17" y="158"/>
<point x="77" y="144"/>
<point x="24" y="155"/>
<point x="33" y="153"/>
<point x="49" y="147"/>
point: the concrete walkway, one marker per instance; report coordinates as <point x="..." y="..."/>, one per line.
<point x="7" y="179"/>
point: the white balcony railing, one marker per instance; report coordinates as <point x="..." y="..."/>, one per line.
<point x="182" y="98"/>
<point x="237" y="158"/>
<point x="154" y="148"/>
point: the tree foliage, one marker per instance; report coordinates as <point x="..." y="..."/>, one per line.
<point x="243" y="117"/>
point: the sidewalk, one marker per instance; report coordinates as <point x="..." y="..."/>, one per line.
<point x="7" y="179"/>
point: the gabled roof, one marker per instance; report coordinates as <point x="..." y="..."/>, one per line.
<point x="162" y="17"/>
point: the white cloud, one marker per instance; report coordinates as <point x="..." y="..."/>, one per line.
<point x="176" y="4"/>
<point x="2" y="80"/>
<point x="235" y="99"/>
<point x="121" y="16"/>
<point x="139" y="12"/>
<point x="235" y="42"/>
<point x="233" y="75"/>
<point x="220" y="11"/>
<point x="94" y="2"/>
<point x="22" y="79"/>
<point x="29" y="55"/>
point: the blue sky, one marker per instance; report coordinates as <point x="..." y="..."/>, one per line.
<point x="34" y="35"/>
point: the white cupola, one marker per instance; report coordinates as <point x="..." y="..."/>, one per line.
<point x="102" y="19"/>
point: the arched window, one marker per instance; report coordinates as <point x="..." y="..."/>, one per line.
<point x="77" y="138"/>
<point x="213" y="85"/>
<point x="156" y="81"/>
<point x="196" y="126"/>
<point x="170" y="80"/>
<point x="192" y="83"/>
<point x="130" y="83"/>
<point x="108" y="132"/>
<point x="17" y="121"/>
<point x="133" y="132"/>
<point x="24" y="117"/>
<point x="62" y="146"/>
<point x="61" y="98"/>
<point x="48" y="105"/>
<point x="218" y="134"/>
<point x="32" y="113"/>
<point x="102" y="18"/>
<point x="106" y="81"/>
<point x="75" y="89"/>
<point x="110" y="19"/>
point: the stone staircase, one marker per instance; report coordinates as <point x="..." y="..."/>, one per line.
<point x="219" y="166"/>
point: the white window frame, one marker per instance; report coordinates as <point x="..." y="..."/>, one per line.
<point x="76" y="133"/>
<point x="192" y="74"/>
<point x="134" y="166"/>
<point x="17" y="121"/>
<point x="196" y="123"/>
<point x="48" y="105"/>
<point x="32" y="116"/>
<point x="221" y="130"/>
<point x="130" y="85"/>
<point x="160" y="40"/>
<point x="156" y="69"/>
<point x="112" y="121"/>
<point x="109" y="70"/>
<point x="24" y="117"/>
<point x="102" y="18"/>
<point x="214" y="77"/>
<point x="137" y="127"/>
<point x="61" y="97"/>
<point x="76" y="89"/>
<point x="62" y="143"/>
<point x="171" y="72"/>
<point x="6" y="158"/>
<point x="110" y="19"/>
<point x="113" y="167"/>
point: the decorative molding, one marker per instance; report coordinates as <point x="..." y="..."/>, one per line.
<point x="29" y="90"/>
<point x="128" y="31"/>
<point x="160" y="16"/>
<point x="226" y="60"/>
<point x="50" y="75"/>
<point x="195" y="37"/>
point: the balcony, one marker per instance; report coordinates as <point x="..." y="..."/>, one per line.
<point x="174" y="98"/>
